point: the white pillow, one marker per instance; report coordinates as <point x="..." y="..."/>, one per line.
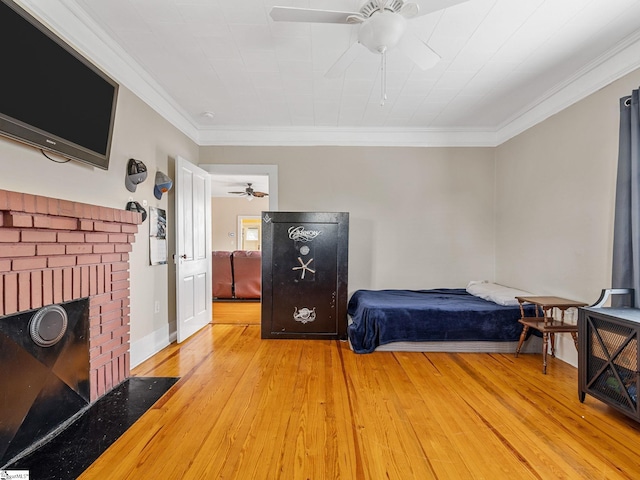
<point x="496" y="293"/>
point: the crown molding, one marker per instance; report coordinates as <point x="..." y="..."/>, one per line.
<point x="71" y="22"/>
<point x="347" y="136"/>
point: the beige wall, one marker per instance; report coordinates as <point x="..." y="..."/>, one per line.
<point x="139" y="133"/>
<point x="555" y="198"/>
<point x="224" y="219"/>
<point x="419" y="217"/>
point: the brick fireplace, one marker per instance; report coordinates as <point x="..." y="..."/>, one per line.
<point x="54" y="251"/>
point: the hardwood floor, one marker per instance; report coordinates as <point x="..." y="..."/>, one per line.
<point x="247" y="408"/>
<point x="236" y="312"/>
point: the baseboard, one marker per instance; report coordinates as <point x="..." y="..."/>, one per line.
<point x="151" y="344"/>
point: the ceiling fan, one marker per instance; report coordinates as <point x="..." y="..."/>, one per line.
<point x="250" y="193"/>
<point x="383" y="27"/>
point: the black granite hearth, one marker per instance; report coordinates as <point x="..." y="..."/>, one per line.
<point x="69" y="453"/>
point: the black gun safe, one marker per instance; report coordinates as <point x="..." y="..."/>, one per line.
<point x="304" y="274"/>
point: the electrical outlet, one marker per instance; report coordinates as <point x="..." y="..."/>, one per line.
<point x="156" y="307"/>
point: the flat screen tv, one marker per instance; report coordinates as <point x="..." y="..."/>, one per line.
<point x="50" y="96"/>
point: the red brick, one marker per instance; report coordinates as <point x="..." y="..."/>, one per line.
<point x="29" y="263"/>
<point x="86" y="210"/>
<point x="67" y="284"/>
<point x="47" y="287"/>
<point x="100" y="340"/>
<point x="96" y="237"/>
<point x="104" y="248"/>
<point x="36" y="236"/>
<point x="110" y="345"/>
<point x="18" y="220"/>
<point x="120" y="351"/>
<point x="24" y="291"/>
<point x="57" y="286"/>
<point x="107" y="214"/>
<point x="10" y="293"/>
<point x="106" y="227"/>
<point x="50" y="249"/>
<point x="93" y="375"/>
<point x="42" y="205"/>
<point x="1" y="289"/>
<point x="88" y="259"/>
<point x="127" y="359"/>
<point x="58" y="223"/>
<point x="70" y="237"/>
<point x="4" y="200"/>
<point x="93" y="280"/>
<point x="111" y="258"/>
<point x="108" y="378"/>
<point x="9" y="236"/>
<point x="122" y="285"/>
<point x="5" y="266"/>
<point x="86" y="225"/>
<point x="62" y="261"/>
<point x="36" y="289"/>
<point x="99" y="360"/>
<point x="54" y="208"/>
<point x="123" y="247"/>
<point x="16" y="201"/>
<point x="101" y="279"/>
<point x="119" y="294"/>
<point x="110" y="306"/>
<point x="118" y="238"/>
<point x="110" y="316"/>
<point x="29" y="203"/>
<point x="94" y="310"/>
<point x="76" y="282"/>
<point x="79" y="248"/>
<point x="66" y="208"/>
<point x="95" y="212"/>
<point x="119" y="276"/>
<point x="117" y="267"/>
<point x="78" y="210"/>
<point x="99" y="299"/>
<point x="17" y="250"/>
<point x="84" y="282"/>
<point x="129" y="228"/>
<point x="121" y="332"/>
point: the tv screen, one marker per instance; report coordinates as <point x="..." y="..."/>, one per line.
<point x="50" y="96"/>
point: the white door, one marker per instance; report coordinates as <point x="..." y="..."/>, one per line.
<point x="193" y="248"/>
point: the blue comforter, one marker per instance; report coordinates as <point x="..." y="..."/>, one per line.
<point x="444" y="314"/>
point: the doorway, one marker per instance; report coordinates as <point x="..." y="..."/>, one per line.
<point x="240" y="227"/>
<point x="249" y="232"/>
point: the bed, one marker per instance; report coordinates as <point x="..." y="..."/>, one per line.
<point x="443" y="319"/>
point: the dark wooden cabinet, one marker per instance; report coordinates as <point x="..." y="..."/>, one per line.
<point x="608" y="357"/>
<point x="304" y="274"/>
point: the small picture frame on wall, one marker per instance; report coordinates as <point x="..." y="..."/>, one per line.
<point x="157" y="236"/>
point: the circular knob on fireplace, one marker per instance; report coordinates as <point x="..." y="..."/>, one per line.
<point x="48" y="325"/>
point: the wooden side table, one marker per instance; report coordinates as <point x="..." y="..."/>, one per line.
<point x="546" y="324"/>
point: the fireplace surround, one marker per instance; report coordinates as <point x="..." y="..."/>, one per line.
<point x="55" y="251"/>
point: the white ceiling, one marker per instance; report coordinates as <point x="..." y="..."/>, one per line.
<point x="506" y="65"/>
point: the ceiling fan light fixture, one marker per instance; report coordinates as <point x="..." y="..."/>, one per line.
<point x="382" y="32"/>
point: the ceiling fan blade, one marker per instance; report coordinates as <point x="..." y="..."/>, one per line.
<point x="430" y="6"/>
<point x="418" y="51"/>
<point x="239" y="193"/>
<point x="346" y="59"/>
<point x="260" y="194"/>
<point x="288" y="14"/>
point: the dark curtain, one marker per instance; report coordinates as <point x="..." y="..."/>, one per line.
<point x="626" y="234"/>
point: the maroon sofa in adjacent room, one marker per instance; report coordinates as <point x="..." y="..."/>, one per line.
<point x="237" y="275"/>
